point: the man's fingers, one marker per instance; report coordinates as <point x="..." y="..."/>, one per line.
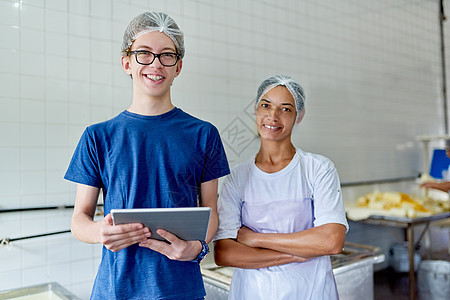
<point x="121" y="236"/>
<point x="126" y="228"/>
<point x="158" y="246"/>
<point x="120" y="241"/>
<point x="171" y="238"/>
<point x="108" y="219"/>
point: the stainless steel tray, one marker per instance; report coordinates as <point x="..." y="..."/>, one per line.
<point x="352" y="253"/>
<point x="403" y="222"/>
<point x="53" y="290"/>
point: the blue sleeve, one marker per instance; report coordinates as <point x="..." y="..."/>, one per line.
<point x="84" y="166"/>
<point x="216" y="163"/>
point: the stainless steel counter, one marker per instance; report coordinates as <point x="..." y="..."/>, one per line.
<point x="353" y="270"/>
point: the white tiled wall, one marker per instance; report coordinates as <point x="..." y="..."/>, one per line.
<point x="371" y="71"/>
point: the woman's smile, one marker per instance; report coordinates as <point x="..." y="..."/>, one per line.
<point x="271" y="128"/>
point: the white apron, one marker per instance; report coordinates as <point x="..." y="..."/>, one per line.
<point x="312" y="279"/>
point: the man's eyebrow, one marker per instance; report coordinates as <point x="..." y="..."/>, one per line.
<point x="151" y="49"/>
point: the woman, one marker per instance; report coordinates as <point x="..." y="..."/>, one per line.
<point x="281" y="214"/>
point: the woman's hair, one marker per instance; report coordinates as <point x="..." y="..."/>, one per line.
<point x="294" y="88"/>
<point x="153" y="21"/>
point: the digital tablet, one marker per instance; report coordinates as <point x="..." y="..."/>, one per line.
<point x="187" y="223"/>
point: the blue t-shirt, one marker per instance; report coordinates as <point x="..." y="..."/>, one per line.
<point x="142" y="162"/>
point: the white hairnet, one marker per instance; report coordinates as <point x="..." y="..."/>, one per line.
<point x="294" y="88"/>
<point x="153" y="21"/>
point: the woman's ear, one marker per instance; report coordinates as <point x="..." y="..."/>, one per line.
<point x="300" y="117"/>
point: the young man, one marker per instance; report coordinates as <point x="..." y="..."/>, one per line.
<point x="151" y="155"/>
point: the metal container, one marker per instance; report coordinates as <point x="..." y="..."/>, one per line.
<point x="354" y="280"/>
<point x="215" y="289"/>
<point x="433" y="280"/>
<point x="52" y="290"/>
<point x="352" y="268"/>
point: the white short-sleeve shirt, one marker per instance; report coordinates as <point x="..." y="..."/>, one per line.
<point x="304" y="194"/>
<point x="322" y="181"/>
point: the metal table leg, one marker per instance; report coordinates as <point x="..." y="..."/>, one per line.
<point x="412" y="279"/>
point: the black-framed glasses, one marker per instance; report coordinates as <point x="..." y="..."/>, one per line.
<point x="144" y="57"/>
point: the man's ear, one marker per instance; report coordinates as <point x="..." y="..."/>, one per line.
<point x="300" y="117"/>
<point x="126" y="65"/>
<point x="179" y="65"/>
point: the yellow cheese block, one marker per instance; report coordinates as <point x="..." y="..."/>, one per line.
<point x="394" y="204"/>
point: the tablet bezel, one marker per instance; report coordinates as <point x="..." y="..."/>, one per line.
<point x="187" y="223"/>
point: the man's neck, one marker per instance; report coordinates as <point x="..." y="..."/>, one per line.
<point x="151" y="106"/>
